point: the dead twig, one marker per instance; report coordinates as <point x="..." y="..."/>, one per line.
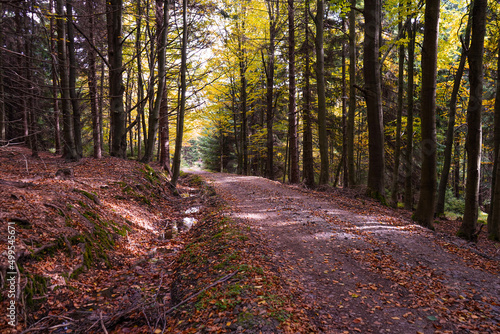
<point x="102" y="323"/>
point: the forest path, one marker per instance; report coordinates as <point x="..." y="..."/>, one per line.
<point x="362" y="267"/>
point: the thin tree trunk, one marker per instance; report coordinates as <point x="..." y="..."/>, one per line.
<point x="77" y="126"/>
<point x="140" y="84"/>
<point x="307" y="159"/>
<point x="161" y="33"/>
<point x="450" y="131"/>
<point x="164" y="134"/>
<point x="352" y="96"/>
<point x="427" y="198"/>
<point x="345" y="166"/>
<point x="292" y="121"/>
<point x="397" y="149"/>
<point x="176" y="163"/>
<point x="320" y="82"/>
<point x="243" y="96"/>
<point x="92" y="78"/>
<point x="373" y="95"/>
<point x="115" y="47"/>
<point x="69" y="151"/>
<point x="474" y="134"/>
<point x="409" y="119"/>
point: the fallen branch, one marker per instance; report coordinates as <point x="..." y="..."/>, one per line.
<point x="223" y="279"/>
<point x="16" y="184"/>
<point x="102" y="323"/>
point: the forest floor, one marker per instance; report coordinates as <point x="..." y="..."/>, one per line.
<point x="104" y="246"/>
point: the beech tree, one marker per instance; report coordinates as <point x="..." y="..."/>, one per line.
<point x="427" y="198"/>
<point x="373" y="96"/>
<point x="474" y="130"/>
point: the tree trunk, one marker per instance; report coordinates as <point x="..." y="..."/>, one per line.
<point x="273" y="13"/>
<point x="292" y="122"/>
<point x="494" y="214"/>
<point x="92" y="78"/>
<point x="352" y="95"/>
<point x="164" y="134"/>
<point x="307" y="159"/>
<point x="373" y="95"/>
<point x="77" y="125"/>
<point x="474" y="134"/>
<point x="345" y="166"/>
<point x="243" y="97"/>
<point x="412" y="30"/>
<point x="115" y="43"/>
<point x="69" y="151"/>
<point x="154" y="114"/>
<point x="176" y="163"/>
<point x="450" y="131"/>
<point x="401" y="82"/>
<point x="427" y="199"/>
<point x="320" y="82"/>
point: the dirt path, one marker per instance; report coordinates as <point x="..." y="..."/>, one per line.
<point x="363" y="268"/>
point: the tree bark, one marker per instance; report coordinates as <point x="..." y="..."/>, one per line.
<point x="450" y="131"/>
<point x="161" y="36"/>
<point x="92" y="82"/>
<point x="115" y="47"/>
<point x="77" y="125"/>
<point x="494" y="214"/>
<point x="69" y="151"/>
<point x="373" y="95"/>
<point x="243" y="96"/>
<point x="307" y="158"/>
<point x="474" y="134"/>
<point x="320" y="82"/>
<point x="176" y="163"/>
<point x="345" y="166"/>
<point x="352" y="95"/>
<point x="412" y="30"/>
<point x="273" y="13"/>
<point x="427" y="198"/>
<point x="401" y="82"/>
<point x="294" y="176"/>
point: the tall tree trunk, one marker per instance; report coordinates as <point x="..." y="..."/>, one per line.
<point x="307" y="158"/>
<point x="352" y="95"/>
<point x="294" y="176"/>
<point x="69" y="151"/>
<point x="401" y="82"/>
<point x="115" y="46"/>
<point x="450" y="131"/>
<point x="140" y="84"/>
<point x="474" y="134"/>
<point x="273" y="13"/>
<point x="345" y="166"/>
<point x="77" y="125"/>
<point x="412" y="30"/>
<point x="373" y="95"/>
<point x="427" y="198"/>
<point x="494" y="214"/>
<point x="320" y="82"/>
<point x="164" y="134"/>
<point x="154" y="114"/>
<point x="243" y="97"/>
<point x="176" y="163"/>
<point x="92" y="82"/>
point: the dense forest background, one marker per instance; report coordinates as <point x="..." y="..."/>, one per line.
<point x="398" y="97"/>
